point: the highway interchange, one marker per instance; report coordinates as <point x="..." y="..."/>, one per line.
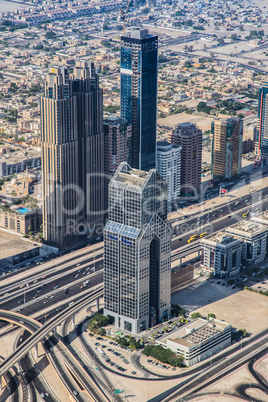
<point x="53" y="286"/>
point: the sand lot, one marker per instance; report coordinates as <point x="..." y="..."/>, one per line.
<point x="202" y="122"/>
<point x="240" y="308"/>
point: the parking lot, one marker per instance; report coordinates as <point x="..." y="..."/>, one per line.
<point x="112" y="354"/>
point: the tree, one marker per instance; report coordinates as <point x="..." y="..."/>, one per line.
<point x="196" y="315"/>
<point x="176" y="310"/>
<point x="97" y="321"/>
<point x="211" y="315"/>
<point x="242" y="333"/>
<point x="122" y="341"/>
<point x="188" y="64"/>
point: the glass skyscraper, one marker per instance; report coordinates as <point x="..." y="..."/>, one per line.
<point x="262" y="131"/>
<point x="139" y="68"/>
<point x="137" y="262"/>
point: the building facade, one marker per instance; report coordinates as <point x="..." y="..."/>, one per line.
<point x="169" y="166"/>
<point x="139" y="69"/>
<point x="72" y="154"/>
<point x="227" y="146"/>
<point x="254" y="237"/>
<point x="221" y="255"/>
<point x="21" y="220"/>
<point x="137" y="274"/>
<point x="198" y="340"/>
<point x="189" y="137"/>
<point x="117" y="138"/>
<point x="261" y="145"/>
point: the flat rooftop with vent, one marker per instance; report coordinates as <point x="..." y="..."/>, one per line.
<point x="198" y="340"/>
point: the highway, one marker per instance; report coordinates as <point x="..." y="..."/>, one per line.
<point x="214" y="373"/>
<point x="83" y="377"/>
<point x="44" y="330"/>
<point x="47" y="295"/>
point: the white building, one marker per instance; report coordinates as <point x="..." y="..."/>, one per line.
<point x="254" y="237"/>
<point x="169" y="166"/>
<point x="221" y="254"/>
<point x="198" y="340"/>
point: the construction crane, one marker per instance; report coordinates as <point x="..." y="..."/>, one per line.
<point x="124" y="16"/>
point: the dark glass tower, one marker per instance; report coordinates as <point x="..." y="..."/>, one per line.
<point x="139" y="67"/>
<point x="262" y="131"/>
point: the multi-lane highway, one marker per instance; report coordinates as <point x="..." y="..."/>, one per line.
<point x="50" y="287"/>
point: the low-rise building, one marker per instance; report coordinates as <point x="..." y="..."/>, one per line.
<point x="198" y="340"/>
<point x="221" y="254"/>
<point x="18" y="160"/>
<point x="21" y="219"/>
<point x="254" y="237"/>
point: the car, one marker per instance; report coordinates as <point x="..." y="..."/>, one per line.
<point x="223" y="284"/>
<point x="46" y="393"/>
<point x="219" y="282"/>
<point x="54" y="284"/>
<point x="133" y="372"/>
<point x="42" y="395"/>
<point x="22" y="322"/>
<point x="45" y="301"/>
<point x="47" y="315"/>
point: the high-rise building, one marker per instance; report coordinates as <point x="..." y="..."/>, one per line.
<point x="169" y="166"/>
<point x="189" y="137"/>
<point x="139" y="67"/>
<point x="117" y="138"/>
<point x="72" y="154"/>
<point x="261" y="145"/>
<point x="137" y="274"/>
<point x="227" y="143"/>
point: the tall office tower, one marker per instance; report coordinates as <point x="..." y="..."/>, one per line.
<point x="189" y="137"/>
<point x="137" y="274"/>
<point x="139" y="67"/>
<point x="72" y="154"/>
<point x="227" y="143"/>
<point x="169" y="166"/>
<point x="261" y="146"/>
<point x="117" y="138"/>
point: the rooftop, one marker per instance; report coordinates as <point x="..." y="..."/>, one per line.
<point x="221" y="237"/>
<point x="126" y="174"/>
<point x="11" y="244"/>
<point x="195" y="332"/>
<point x="248" y="227"/>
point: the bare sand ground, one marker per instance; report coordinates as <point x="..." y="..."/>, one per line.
<point x="240" y="308"/>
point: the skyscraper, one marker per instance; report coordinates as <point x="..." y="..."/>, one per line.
<point x="139" y="67"/>
<point x="137" y="275"/>
<point x="189" y="137"/>
<point x="262" y="131"/>
<point x="227" y="142"/>
<point x="169" y="166"/>
<point x="117" y="138"/>
<point x="72" y="154"/>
